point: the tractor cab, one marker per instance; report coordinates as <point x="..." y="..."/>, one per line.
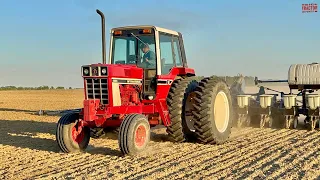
<point x="155" y="50"/>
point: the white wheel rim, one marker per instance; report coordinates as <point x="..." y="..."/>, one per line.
<point x="221" y="112"/>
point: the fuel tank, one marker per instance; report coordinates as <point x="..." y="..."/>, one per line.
<point x="304" y="74"/>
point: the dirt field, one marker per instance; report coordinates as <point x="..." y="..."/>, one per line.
<point x="28" y="149"/>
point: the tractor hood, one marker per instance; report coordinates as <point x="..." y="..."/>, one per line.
<point x="112" y="70"/>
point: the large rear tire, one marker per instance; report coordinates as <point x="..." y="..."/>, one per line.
<point x="70" y="136"/>
<point x="214" y="111"/>
<point x="180" y="104"/>
<point x="134" y="134"/>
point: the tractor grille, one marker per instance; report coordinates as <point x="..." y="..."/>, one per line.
<point x="97" y="89"/>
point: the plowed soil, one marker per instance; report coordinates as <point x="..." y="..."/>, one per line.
<point x="28" y="149"/>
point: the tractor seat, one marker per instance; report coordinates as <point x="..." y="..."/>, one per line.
<point x="149" y="77"/>
<point x="150" y="73"/>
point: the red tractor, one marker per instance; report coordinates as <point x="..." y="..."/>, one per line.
<point x="146" y="83"/>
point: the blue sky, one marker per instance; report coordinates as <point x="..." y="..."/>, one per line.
<point x="46" y="42"/>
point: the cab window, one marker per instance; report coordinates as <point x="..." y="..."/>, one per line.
<point x="170" y="54"/>
<point x="124" y="51"/>
<point x="130" y="49"/>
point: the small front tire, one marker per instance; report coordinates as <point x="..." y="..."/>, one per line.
<point x="134" y="134"/>
<point x="70" y="136"/>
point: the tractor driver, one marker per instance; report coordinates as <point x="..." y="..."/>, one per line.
<point x="149" y="57"/>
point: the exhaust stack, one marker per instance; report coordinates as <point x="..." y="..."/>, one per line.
<point x="103" y="37"/>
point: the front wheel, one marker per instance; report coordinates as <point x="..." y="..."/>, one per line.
<point x="134" y="134"/>
<point x="70" y="135"/>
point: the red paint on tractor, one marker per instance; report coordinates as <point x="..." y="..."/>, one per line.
<point x="121" y="70"/>
<point x="162" y="109"/>
<point x="108" y="115"/>
<point x="130" y="94"/>
<point x="89" y="109"/>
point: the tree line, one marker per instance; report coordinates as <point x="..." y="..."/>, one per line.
<point x="32" y="88"/>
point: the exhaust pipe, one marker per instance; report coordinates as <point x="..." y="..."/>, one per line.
<point x="103" y="37"/>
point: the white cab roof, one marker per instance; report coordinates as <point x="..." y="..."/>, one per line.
<point x="147" y="26"/>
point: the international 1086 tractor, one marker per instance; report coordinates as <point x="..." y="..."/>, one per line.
<point x="147" y="82"/>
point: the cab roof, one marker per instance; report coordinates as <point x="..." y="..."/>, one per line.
<point x="146" y="26"/>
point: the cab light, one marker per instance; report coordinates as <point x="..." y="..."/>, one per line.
<point x="146" y="31"/>
<point x="117" y="32"/>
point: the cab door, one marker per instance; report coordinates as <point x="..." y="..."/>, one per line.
<point x="149" y="71"/>
<point x="169" y="52"/>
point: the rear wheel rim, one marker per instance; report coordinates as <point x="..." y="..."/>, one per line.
<point x="77" y="134"/>
<point x="221" y="111"/>
<point x="140" y="136"/>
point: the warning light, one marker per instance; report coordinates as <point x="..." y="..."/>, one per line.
<point x="146" y="31"/>
<point x="117" y="32"/>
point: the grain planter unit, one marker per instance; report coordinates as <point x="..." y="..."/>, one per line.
<point x="284" y="111"/>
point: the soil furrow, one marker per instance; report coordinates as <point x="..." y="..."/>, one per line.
<point x="61" y="163"/>
<point x="236" y="156"/>
<point x="255" y="154"/>
<point x="215" y="154"/>
<point x="312" y="168"/>
<point x="40" y="162"/>
<point x="184" y="153"/>
<point x="69" y="168"/>
<point x="270" y="157"/>
<point x="298" y="162"/>
<point x="213" y="148"/>
<point x="98" y="165"/>
<point x="286" y="160"/>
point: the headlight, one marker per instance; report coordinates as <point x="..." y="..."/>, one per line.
<point x="104" y="71"/>
<point x="86" y="71"/>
